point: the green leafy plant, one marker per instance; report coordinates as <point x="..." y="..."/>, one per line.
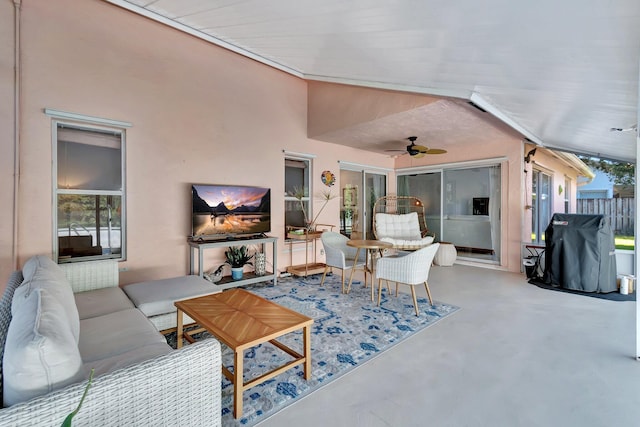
<point x="621" y="173"/>
<point x="67" y="421"/>
<point x="238" y="256"/>
<point x="325" y="197"/>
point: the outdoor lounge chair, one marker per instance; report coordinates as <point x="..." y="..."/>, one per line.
<point x="399" y="220"/>
<point x="412" y="269"/>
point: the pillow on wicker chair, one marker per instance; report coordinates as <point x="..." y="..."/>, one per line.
<point x="409" y="244"/>
<point x="42" y="272"/>
<point x="40" y="354"/>
<point x="403" y="226"/>
<point x="402" y="231"/>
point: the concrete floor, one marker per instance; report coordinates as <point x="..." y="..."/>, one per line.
<point x="513" y="355"/>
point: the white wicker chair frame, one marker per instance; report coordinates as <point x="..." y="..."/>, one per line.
<point x="339" y="255"/>
<point x="180" y="388"/>
<point x="412" y="269"/>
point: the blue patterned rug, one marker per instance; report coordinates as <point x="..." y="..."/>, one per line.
<point x="348" y="330"/>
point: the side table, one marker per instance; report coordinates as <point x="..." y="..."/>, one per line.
<point x="307" y="268"/>
<point x="446" y="255"/>
<point x="370" y="246"/>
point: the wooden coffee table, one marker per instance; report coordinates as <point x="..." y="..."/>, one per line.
<point x="242" y="320"/>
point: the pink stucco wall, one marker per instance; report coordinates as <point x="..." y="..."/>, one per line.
<point x="6" y="137"/>
<point x="199" y="114"/>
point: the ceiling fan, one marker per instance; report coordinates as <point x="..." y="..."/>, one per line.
<point x="419" y="151"/>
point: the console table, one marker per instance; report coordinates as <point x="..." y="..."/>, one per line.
<point x="249" y="277"/>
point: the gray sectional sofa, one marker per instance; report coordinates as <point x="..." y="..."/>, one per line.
<point x="57" y="323"/>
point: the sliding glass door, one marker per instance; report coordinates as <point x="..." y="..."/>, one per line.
<point x="462" y="206"/>
<point x="359" y="192"/>
<point x="427" y="187"/>
<point x="375" y="187"/>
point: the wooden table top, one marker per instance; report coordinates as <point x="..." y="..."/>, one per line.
<point x="369" y="244"/>
<point x="241" y="319"/>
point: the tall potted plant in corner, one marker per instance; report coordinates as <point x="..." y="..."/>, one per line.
<point x="237" y="258"/>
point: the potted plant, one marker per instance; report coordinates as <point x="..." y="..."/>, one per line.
<point x="237" y="258"/>
<point x="299" y="194"/>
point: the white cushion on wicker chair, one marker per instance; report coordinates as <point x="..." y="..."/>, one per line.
<point x="402" y="231"/>
<point x="101" y="301"/>
<point x="41" y="354"/>
<point x="115" y="334"/>
<point x="156" y="297"/>
<point x="403" y="226"/>
<point x="41" y="272"/>
<point x="126" y="359"/>
<point x="409" y="244"/>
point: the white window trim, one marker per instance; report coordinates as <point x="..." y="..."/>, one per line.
<point x="358" y="167"/>
<point x="454" y="165"/>
<point x="89" y="123"/>
<point x="289" y="155"/>
<point x="82" y="118"/>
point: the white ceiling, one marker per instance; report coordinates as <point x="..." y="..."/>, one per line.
<point x="560" y="72"/>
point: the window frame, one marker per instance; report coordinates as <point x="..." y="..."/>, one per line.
<point x="567" y="194"/>
<point x="88" y="124"/>
<point x="309" y="190"/>
<point x="536" y="215"/>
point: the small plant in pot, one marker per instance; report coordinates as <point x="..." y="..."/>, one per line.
<point x="237" y="258"/>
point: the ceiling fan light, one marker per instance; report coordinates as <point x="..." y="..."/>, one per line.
<point x="411" y="149"/>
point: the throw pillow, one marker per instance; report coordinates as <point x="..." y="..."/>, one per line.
<point x="41" y="272"/>
<point x="41" y="354"/>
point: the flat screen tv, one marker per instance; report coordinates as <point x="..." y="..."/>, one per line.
<point x="220" y="211"/>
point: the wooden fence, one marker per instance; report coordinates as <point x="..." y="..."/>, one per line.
<point x="620" y="212"/>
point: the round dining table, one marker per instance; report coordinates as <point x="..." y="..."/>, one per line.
<point x="370" y="246"/>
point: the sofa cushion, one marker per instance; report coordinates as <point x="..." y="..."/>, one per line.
<point x="128" y="358"/>
<point x="157" y="296"/>
<point x="42" y="262"/>
<point x="398" y="226"/>
<point x="41" y="272"/>
<point x="101" y="301"/>
<point x="409" y="244"/>
<point x="40" y="353"/>
<point x="116" y="333"/>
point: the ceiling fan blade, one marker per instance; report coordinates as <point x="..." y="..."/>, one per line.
<point x="419" y="155"/>
<point x="435" y="151"/>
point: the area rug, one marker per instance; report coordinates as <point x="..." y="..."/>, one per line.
<point x="348" y="330"/>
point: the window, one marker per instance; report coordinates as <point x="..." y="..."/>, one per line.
<point x="541" y="205"/>
<point x="89" y="219"/>
<point x="567" y="195"/>
<point x="297" y="174"/>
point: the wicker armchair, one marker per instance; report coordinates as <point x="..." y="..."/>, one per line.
<point x="412" y="269"/>
<point x="339" y="255"/>
<point x="400" y="220"/>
